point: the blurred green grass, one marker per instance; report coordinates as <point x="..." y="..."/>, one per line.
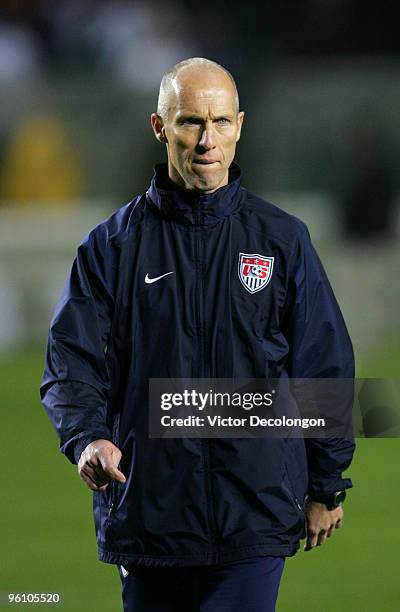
<point x="47" y="534"/>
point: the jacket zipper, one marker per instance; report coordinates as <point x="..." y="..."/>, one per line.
<point x="201" y="333"/>
<point x="112" y="497"/>
<point x="200" y="294"/>
<point x="114" y="483"/>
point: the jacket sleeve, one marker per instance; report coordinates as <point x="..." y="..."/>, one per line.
<point x="75" y="381"/>
<point x="320" y="347"/>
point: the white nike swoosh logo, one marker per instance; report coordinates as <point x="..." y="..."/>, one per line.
<point x="156" y="278"/>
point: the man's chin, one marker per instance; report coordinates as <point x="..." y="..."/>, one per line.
<point x="207" y="181"/>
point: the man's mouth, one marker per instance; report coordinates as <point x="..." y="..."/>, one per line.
<point x="205" y="162"/>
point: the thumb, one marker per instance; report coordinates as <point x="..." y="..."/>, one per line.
<point x="109" y="462"/>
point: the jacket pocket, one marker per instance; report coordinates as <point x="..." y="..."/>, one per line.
<point x="290" y="491"/>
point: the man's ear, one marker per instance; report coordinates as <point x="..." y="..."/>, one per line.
<point x="157" y="124"/>
<point x="240" y="123"/>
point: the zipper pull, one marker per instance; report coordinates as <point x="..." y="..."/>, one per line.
<point x="298" y="504"/>
<point x="111" y="509"/>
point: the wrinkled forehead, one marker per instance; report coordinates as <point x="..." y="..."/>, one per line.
<point x="199" y="92"/>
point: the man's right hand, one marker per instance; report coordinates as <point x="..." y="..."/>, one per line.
<point x="98" y="465"/>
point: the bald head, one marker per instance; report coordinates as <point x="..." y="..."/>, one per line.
<point x="199" y="121"/>
<point x="189" y="73"/>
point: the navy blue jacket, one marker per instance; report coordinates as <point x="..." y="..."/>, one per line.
<point x="194" y="501"/>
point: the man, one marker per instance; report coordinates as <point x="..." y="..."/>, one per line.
<point x="159" y="291"/>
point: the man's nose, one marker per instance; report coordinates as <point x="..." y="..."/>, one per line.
<point x="207" y="140"/>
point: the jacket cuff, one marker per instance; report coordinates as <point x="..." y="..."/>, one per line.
<point x="326" y="485"/>
<point x="75" y="447"/>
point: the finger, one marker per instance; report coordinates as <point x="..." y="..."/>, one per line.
<point x="110" y="468"/>
<point x="339" y="524"/>
<point x="93" y="484"/>
<point x="101" y="480"/>
<point x="311" y="541"/>
<point x="330" y="531"/>
<point x="97" y="476"/>
<point x="90" y="483"/>
<point x="321" y="537"/>
<point x="94" y="473"/>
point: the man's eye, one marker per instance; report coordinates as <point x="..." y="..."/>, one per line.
<point x="191" y="121"/>
<point x="223" y="121"/>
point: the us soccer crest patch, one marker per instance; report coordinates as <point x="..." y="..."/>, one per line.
<point x="255" y="271"/>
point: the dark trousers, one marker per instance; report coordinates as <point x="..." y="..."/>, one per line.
<point x="249" y="585"/>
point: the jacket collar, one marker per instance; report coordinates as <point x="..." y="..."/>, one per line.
<point x="192" y="207"/>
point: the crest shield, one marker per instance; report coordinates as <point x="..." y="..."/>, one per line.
<point x="255" y="271"/>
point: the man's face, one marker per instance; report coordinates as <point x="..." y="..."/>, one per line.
<point x="201" y="129"/>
